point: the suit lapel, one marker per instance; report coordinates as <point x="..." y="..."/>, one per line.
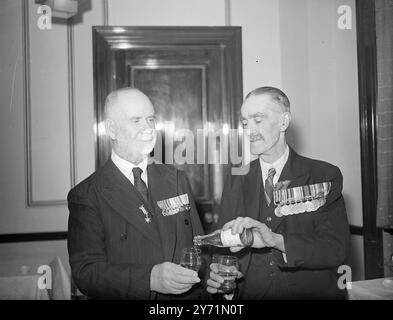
<point x="294" y="173"/>
<point x="163" y="185"/>
<point x="119" y="192"/>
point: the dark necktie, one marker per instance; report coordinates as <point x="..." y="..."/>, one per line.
<point x="269" y="186"/>
<point x="139" y="184"/>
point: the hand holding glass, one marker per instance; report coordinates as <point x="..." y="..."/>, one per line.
<point x="228" y="269"/>
<point x="191" y="259"/>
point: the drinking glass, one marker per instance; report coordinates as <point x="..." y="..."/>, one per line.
<point x="228" y="268"/>
<point x="191" y="259"/>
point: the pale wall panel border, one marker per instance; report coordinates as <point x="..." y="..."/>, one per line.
<point x="228" y="12"/>
<point x="30" y="202"/>
<point x="105" y="12"/>
<point x="71" y="100"/>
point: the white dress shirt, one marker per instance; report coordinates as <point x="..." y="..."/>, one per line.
<point x="126" y="167"/>
<point x="278" y="165"/>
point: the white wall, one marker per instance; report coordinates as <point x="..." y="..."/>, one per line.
<point x="49" y="120"/>
<point x="260" y="22"/>
<point x="319" y="72"/>
<point x="15" y="217"/>
<point x="49" y="124"/>
<point x="295" y="45"/>
<point x="167" y="13"/>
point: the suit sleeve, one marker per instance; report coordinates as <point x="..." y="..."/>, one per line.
<point x="91" y="272"/>
<point x="327" y="245"/>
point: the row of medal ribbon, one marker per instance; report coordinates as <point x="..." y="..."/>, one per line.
<point x="301" y="199"/>
<point x="302" y="193"/>
<point x="174" y="205"/>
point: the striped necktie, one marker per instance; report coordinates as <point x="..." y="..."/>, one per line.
<point x="139" y="184"/>
<point x="269" y="186"/>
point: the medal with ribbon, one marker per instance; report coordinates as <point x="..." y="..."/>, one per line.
<point x="300" y="199"/>
<point x="174" y="205"/>
<point x="146" y="214"/>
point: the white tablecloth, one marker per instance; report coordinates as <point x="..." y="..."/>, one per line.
<point x="375" y="289"/>
<point x="19" y="281"/>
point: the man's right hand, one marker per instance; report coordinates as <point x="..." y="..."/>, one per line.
<point x="171" y="278"/>
<point x="215" y="280"/>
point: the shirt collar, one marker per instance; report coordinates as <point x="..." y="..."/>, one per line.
<point x="125" y="166"/>
<point x="278" y="165"/>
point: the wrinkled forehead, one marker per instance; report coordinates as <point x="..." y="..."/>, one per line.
<point x="260" y="104"/>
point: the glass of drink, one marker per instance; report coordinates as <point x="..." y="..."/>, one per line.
<point x="191" y="259"/>
<point x="228" y="268"/>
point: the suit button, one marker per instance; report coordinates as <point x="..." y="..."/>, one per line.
<point x="186" y="222"/>
<point x="271" y="263"/>
<point x="269" y="219"/>
<point x="123" y="236"/>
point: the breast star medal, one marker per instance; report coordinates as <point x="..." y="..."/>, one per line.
<point x="144" y="211"/>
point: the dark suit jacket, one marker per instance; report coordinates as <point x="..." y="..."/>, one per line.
<point x="316" y="243"/>
<point x="112" y="249"/>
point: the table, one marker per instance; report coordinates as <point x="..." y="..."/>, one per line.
<point x="19" y="280"/>
<point x="375" y="289"/>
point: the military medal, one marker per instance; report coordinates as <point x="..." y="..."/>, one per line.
<point x="292" y="209"/>
<point x="315" y="204"/>
<point x="309" y="206"/>
<point x="307" y="198"/>
<point x="302" y="207"/>
<point x="277" y="212"/>
<point x="295" y="208"/>
<point x="144" y="211"/>
<point x="174" y="205"/>
<point x="284" y="210"/>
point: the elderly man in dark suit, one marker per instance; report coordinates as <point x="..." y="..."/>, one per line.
<point x="130" y="220"/>
<point x="294" y="207"/>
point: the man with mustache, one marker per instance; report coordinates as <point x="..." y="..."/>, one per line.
<point x="294" y="207"/>
<point x="130" y="220"/>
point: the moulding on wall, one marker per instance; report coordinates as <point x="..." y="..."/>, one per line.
<point x="227" y="12"/>
<point x="105" y="12"/>
<point x="27" y="111"/>
<point x="71" y="100"/>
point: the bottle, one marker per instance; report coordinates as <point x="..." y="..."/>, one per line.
<point x="225" y="238"/>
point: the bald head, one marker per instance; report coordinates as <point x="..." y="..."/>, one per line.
<point x="118" y="101"/>
<point x="130" y="123"/>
